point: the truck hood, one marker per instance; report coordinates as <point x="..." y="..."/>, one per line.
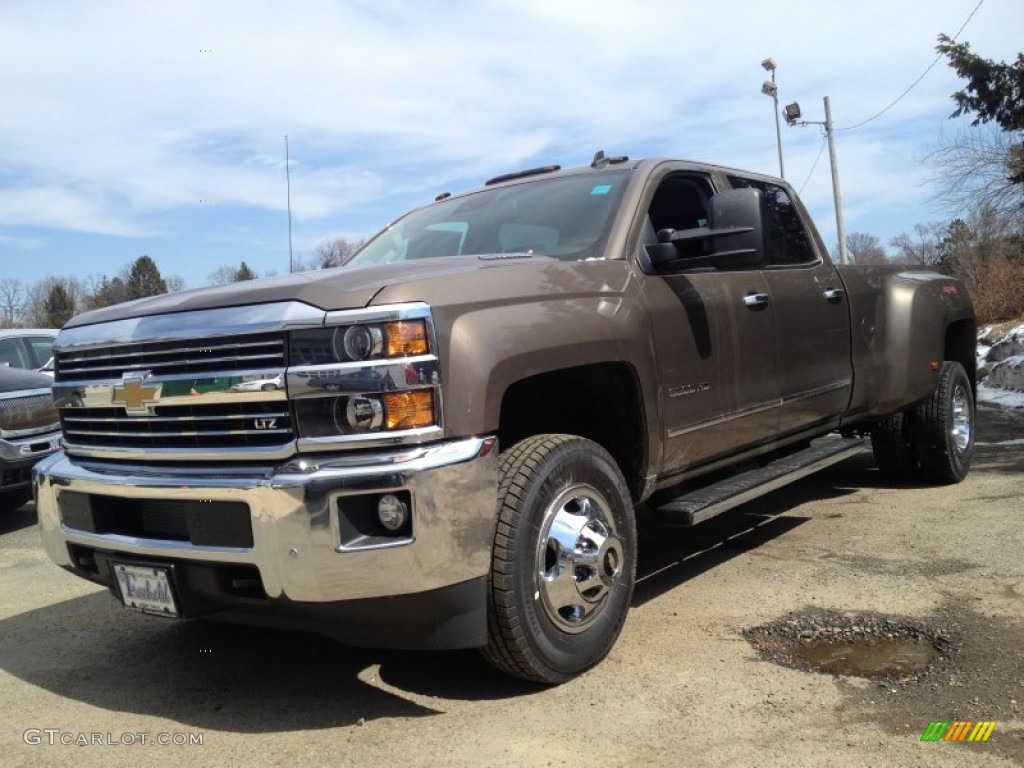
<point x="330" y="289"/>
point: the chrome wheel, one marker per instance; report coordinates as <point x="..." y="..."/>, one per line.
<point x="962" y="426"/>
<point x="579" y="558"/>
<point x="563" y="562"/>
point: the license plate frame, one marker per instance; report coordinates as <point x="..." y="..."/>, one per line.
<point x="147" y="588"/>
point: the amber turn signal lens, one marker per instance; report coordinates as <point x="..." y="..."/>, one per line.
<point x="406" y="338"/>
<point x="408" y="410"/>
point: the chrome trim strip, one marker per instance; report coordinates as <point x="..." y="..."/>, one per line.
<point x="224" y="321"/>
<point x="19" y="393"/>
<point x="371" y="439"/>
<point x="818" y="391"/>
<point x="349" y="378"/>
<point x="755" y="409"/>
<point x="75" y="394"/>
<point x="409" y="311"/>
<point x="250" y="453"/>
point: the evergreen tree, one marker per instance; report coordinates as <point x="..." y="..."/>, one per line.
<point x="144" y="279"/>
<point x="59" y="306"/>
<point x="244" y="273"/>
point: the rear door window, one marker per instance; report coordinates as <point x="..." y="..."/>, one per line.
<point x="788" y="242"/>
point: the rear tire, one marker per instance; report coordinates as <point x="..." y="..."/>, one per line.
<point x="892" y="442"/>
<point x="564" y="559"/>
<point x="944" y="427"/>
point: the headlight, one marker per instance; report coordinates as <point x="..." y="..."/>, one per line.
<point x="359" y="343"/>
<point x="365" y="414"/>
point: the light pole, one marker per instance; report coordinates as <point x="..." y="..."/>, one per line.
<point x="793" y="118"/>
<point x="770" y="89"/>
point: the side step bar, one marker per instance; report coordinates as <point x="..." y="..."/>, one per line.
<point x="697" y="506"/>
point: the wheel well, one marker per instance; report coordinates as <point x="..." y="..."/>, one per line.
<point x="600" y="402"/>
<point x="961" y="342"/>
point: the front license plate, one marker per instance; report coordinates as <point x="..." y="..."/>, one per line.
<point x="146" y="589"/>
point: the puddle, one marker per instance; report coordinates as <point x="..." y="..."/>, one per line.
<point x="863" y="645"/>
<point x="884" y="658"/>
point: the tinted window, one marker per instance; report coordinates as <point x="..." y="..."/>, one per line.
<point x="788" y="242"/>
<point x="567" y="217"/>
<point x="14" y="354"/>
<point x="42" y="347"/>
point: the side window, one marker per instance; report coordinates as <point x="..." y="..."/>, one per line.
<point x="788" y="242"/>
<point x="14" y="354"/>
<point x="680" y="202"/>
<point x="42" y="349"/>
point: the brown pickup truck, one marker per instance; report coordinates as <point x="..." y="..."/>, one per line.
<point x="464" y="418"/>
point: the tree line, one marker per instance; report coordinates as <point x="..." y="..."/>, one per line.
<point x="979" y="178"/>
<point x="52" y="301"/>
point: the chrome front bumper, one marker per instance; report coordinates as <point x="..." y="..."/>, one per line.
<point x="294" y="513"/>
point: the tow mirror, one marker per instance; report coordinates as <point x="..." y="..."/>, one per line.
<point x="733" y="239"/>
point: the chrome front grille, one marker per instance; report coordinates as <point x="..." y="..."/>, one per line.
<point x="18" y="414"/>
<point x="198" y="357"/>
<point x="244" y="424"/>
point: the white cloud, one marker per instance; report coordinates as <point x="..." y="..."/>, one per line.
<point x="114" y="117"/>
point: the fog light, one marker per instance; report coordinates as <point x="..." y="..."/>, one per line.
<point x="392" y="512"/>
<point x="409" y="410"/>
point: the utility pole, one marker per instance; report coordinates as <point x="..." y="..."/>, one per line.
<point x="844" y="257"/>
<point x="793" y="115"/>
<point x="288" y="181"/>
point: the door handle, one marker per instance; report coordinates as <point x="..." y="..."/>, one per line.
<point x="756" y="300"/>
<point x="833" y="295"/>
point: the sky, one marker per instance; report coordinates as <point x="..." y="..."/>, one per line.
<point x="158" y="128"/>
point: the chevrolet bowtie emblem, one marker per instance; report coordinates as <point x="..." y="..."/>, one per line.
<point x="136" y="397"/>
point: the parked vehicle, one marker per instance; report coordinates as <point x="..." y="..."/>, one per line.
<point x="29" y="431"/>
<point x="29" y="348"/>
<point x="477" y="402"/>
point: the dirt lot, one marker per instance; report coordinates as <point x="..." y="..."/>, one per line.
<point x="682" y="687"/>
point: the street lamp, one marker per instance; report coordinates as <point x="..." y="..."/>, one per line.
<point x="793" y="116"/>
<point x="770" y="89"/>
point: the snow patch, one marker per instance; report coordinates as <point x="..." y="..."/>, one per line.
<point x="1001" y="367"/>
<point x="1003" y="397"/>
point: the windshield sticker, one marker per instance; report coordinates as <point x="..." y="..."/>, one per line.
<point x="601" y="189"/>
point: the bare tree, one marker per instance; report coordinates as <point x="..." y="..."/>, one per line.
<point x="865" y="249"/>
<point x="221" y="276"/>
<point x="333" y="252"/>
<point x="227" y="274"/>
<point x="980" y="166"/>
<point x="926" y="248"/>
<point x="12" y="301"/>
<point x="175" y="283"/>
<point x="54" y="300"/>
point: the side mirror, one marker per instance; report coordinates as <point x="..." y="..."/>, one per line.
<point x="734" y="237"/>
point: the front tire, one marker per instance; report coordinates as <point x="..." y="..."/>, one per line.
<point x="944" y="427"/>
<point x="564" y="559"/>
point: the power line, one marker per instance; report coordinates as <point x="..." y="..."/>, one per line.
<point x="824" y="140"/>
<point x="914" y="84"/>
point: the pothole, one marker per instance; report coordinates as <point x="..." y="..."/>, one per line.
<point x="862" y="645"/>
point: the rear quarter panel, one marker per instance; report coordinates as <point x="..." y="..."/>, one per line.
<point x="899" y="319"/>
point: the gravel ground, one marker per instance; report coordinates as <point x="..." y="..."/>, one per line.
<point x="695" y="679"/>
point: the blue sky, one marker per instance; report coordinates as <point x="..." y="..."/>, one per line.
<point x="119" y="119"/>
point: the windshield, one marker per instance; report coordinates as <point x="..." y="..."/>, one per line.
<point x="567" y="217"/>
